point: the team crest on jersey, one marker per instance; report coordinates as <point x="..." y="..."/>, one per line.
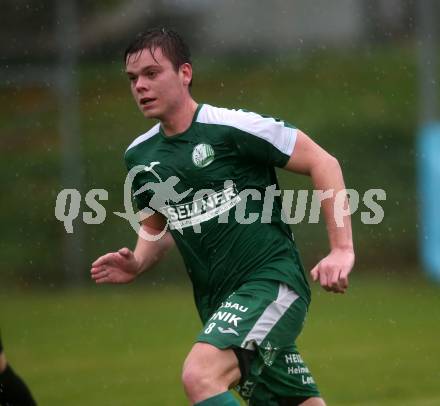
<point x="203" y="155"/>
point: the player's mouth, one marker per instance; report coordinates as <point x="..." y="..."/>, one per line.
<point x="146" y="102"/>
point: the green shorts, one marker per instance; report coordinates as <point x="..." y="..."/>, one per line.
<point x="261" y="321"/>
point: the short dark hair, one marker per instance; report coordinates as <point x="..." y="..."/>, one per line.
<point x="169" y="41"/>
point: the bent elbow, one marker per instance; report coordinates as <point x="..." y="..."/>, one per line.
<point x="333" y="161"/>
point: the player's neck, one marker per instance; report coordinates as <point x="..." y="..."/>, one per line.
<point x="181" y="118"/>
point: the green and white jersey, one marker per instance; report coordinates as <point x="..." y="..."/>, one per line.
<point x="215" y="176"/>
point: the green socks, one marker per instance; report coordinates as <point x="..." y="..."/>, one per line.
<point x="222" y="399"/>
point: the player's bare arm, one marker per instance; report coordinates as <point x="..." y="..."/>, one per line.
<point x="124" y="265"/>
<point x="310" y="159"/>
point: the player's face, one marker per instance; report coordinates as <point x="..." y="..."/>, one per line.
<point x="157" y="88"/>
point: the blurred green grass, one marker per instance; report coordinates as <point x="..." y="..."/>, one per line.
<point x="376" y="345"/>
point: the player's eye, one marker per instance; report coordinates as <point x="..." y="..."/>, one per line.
<point x="151" y="74"/>
<point x="132" y="78"/>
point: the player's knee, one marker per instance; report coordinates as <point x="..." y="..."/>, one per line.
<point x="191" y="378"/>
<point x="196" y="381"/>
<point x="208" y="370"/>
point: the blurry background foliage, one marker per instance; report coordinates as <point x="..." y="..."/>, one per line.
<point x="346" y="76"/>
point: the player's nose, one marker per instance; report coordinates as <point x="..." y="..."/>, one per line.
<point x="142" y="83"/>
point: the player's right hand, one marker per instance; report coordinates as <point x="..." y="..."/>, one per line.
<point x="115" y="267"/>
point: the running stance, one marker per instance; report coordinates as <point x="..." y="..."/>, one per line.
<point x="204" y="179"/>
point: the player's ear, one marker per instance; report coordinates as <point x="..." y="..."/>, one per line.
<point x="186" y="72"/>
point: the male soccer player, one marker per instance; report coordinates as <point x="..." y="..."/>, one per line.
<point x="13" y="391"/>
<point x="250" y="287"/>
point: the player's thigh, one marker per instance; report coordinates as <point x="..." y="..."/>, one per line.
<point x="248" y="315"/>
<point x="209" y="362"/>
<point x="208" y="371"/>
<point x="286" y="374"/>
<point x="279" y="371"/>
<point x="257" y="321"/>
<point x="288" y="378"/>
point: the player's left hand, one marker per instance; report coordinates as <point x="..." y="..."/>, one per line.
<point x="332" y="271"/>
